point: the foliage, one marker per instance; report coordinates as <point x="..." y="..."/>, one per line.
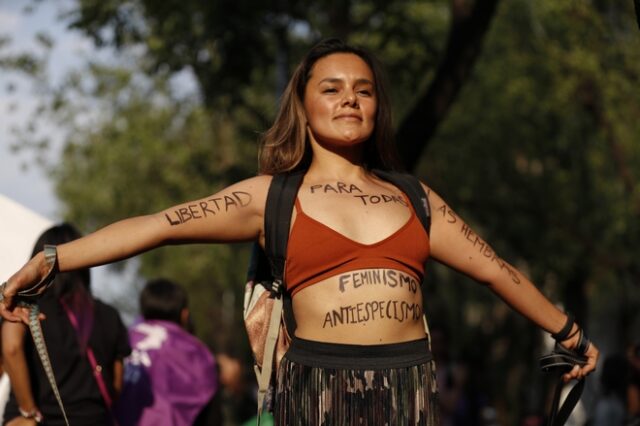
<point x="230" y="45"/>
<point x="547" y="132"/>
<point x="30" y="66"/>
<point x="138" y="152"/>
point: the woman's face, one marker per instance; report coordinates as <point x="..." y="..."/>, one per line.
<point x="340" y="100"/>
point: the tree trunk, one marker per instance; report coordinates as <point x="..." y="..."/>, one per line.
<point x="464" y="43"/>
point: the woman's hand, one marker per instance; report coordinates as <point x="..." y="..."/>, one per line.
<point x="15" y="314"/>
<point x="592" y="353"/>
<point x="29" y="275"/>
<point x="21" y="421"/>
<point x="578" y="372"/>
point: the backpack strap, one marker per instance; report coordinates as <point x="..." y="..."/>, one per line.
<point x="264" y="374"/>
<point x="277" y="218"/>
<point x="411" y="186"/>
<point x="277" y="221"/>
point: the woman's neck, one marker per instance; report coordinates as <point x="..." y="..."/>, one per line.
<point x="331" y="165"/>
<point x="334" y="162"/>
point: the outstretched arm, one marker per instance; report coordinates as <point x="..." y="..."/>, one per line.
<point x="15" y="362"/>
<point x="455" y="244"/>
<point x="233" y="214"/>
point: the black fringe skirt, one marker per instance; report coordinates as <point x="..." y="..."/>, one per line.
<point x="325" y="384"/>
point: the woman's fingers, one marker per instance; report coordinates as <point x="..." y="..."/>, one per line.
<point x="7" y="314"/>
<point x="592" y="359"/>
<point x="578" y="372"/>
<point x="6" y="297"/>
<point x="573" y="374"/>
<point x="15" y="314"/>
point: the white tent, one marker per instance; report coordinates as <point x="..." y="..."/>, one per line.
<point x="19" y="230"/>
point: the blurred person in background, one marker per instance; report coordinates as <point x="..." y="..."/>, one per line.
<point x="611" y="406"/>
<point x="633" y="386"/>
<point x="75" y="325"/>
<point x="171" y="377"/>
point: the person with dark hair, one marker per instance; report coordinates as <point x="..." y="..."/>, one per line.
<point x="164" y="300"/>
<point x="356" y="252"/>
<point x="633" y="385"/>
<point x="75" y="325"/>
<point x="171" y="377"/>
<point x="611" y="407"/>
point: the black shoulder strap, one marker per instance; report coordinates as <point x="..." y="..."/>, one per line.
<point x="411" y="186"/>
<point x="277" y="221"/>
<point x="277" y="218"/>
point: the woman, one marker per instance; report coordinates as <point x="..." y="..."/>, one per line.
<point x="335" y="122"/>
<point x="98" y="327"/>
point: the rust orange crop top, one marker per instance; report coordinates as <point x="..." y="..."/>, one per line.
<point x="316" y="252"/>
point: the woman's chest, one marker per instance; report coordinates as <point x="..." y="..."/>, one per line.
<point x="363" y="214"/>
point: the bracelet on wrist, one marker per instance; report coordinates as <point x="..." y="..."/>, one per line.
<point x="563" y="334"/>
<point x="34" y="414"/>
<point x="578" y="330"/>
<point x="583" y="344"/>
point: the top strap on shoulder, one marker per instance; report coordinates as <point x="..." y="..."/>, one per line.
<point x="411" y="186"/>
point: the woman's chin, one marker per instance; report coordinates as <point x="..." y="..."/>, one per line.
<point x="345" y="145"/>
<point x="345" y="140"/>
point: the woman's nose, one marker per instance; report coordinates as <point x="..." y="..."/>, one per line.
<point x="350" y="99"/>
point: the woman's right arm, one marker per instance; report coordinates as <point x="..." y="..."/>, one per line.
<point x="15" y="363"/>
<point x="233" y="214"/>
<point x="118" y="377"/>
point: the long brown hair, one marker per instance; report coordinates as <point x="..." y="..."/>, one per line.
<point x="284" y="147"/>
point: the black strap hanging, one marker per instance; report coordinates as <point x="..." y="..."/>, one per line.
<point x="559" y="362"/>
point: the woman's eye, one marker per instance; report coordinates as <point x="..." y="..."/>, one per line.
<point x="364" y="92"/>
<point x="330" y="90"/>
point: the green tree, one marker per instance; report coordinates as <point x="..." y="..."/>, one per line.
<point x="429" y="47"/>
<point x="138" y="151"/>
<point x="547" y="132"/>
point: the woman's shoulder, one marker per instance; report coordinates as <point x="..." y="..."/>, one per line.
<point x="428" y="189"/>
<point x="261" y="179"/>
<point x="251" y="191"/>
<point x="255" y="185"/>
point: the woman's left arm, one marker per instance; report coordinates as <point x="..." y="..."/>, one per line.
<point x="456" y="245"/>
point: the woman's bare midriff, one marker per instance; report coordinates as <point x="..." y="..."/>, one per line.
<point x="356" y="308"/>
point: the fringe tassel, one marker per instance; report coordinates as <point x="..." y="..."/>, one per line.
<point x="313" y="396"/>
